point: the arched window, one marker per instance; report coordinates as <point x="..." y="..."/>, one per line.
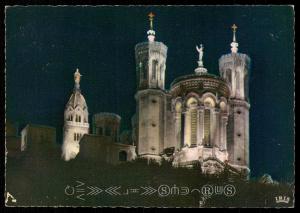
<point x="223" y="106"/>
<point x="79" y="118"/>
<point x="154" y="68"/>
<point x="209" y="102"/>
<point x="144" y="71"/>
<point x="194" y="127"/>
<point x="74" y="136"/>
<point x="122" y="156"/>
<point x="192" y="104"/>
<point x="207" y="127"/>
<point x="228" y="75"/>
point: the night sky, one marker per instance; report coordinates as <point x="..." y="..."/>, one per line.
<point x="45" y="45"/>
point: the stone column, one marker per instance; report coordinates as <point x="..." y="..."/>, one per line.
<point x="187" y="128"/>
<point x="212" y="127"/>
<point x="200" y="135"/>
<point x="178" y="130"/>
<point x="223" y="131"/>
<point x="216" y="132"/>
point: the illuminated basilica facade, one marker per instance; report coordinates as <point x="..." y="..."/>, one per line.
<point x="201" y="119"/>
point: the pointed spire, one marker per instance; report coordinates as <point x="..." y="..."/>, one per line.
<point x="234" y="44"/>
<point x="151" y="32"/>
<point x="200" y="69"/>
<point x="77" y="77"/>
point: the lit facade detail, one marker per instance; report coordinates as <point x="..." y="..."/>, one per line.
<point x="197" y="116"/>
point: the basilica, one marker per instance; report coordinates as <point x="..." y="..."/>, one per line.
<point x="201" y="119"/>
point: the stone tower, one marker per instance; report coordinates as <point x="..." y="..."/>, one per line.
<point x="75" y="121"/>
<point x="150" y="97"/>
<point x="234" y="68"/>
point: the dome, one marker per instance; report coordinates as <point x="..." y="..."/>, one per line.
<point x="77" y="99"/>
<point x="199" y="83"/>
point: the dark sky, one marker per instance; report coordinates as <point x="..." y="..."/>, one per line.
<point x="44" y="46"/>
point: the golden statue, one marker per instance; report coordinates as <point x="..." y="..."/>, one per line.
<point x="77" y="76"/>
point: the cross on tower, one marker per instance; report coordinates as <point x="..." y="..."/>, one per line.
<point x="151" y="16"/>
<point x="234" y="27"/>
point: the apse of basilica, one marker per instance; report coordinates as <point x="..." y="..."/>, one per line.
<point x="201" y="119"/>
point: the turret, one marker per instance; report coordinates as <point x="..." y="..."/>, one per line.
<point x="150" y="59"/>
<point x="234" y="68"/>
<point x="75" y="121"/>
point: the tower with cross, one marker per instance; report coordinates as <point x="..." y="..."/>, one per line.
<point x="234" y="68"/>
<point x="151" y="96"/>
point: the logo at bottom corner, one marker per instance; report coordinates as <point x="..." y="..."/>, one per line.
<point x="282" y="199"/>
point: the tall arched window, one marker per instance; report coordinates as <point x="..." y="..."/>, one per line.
<point x="144" y="71"/>
<point x="192" y="109"/>
<point x="194" y="127"/>
<point x="160" y="71"/>
<point x="207" y="127"/>
<point x="209" y="103"/>
<point x="154" y="68"/>
<point x="228" y="75"/>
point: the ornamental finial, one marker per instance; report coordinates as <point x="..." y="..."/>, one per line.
<point x="234" y="44"/>
<point x="234" y="27"/>
<point x="151" y="17"/>
<point x="151" y="32"/>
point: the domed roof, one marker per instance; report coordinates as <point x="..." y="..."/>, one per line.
<point x="77" y="99"/>
<point x="205" y="82"/>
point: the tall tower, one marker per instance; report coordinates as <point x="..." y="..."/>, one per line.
<point x="234" y="68"/>
<point x="150" y="59"/>
<point x="75" y="121"/>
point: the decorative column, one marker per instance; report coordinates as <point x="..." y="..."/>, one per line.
<point x="178" y="130"/>
<point x="223" y="131"/>
<point x="212" y="127"/>
<point x="187" y="128"/>
<point x="216" y="132"/>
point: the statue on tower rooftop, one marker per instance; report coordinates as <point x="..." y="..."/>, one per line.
<point x="200" y="69"/>
<point x="200" y="51"/>
<point x="77" y="76"/>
